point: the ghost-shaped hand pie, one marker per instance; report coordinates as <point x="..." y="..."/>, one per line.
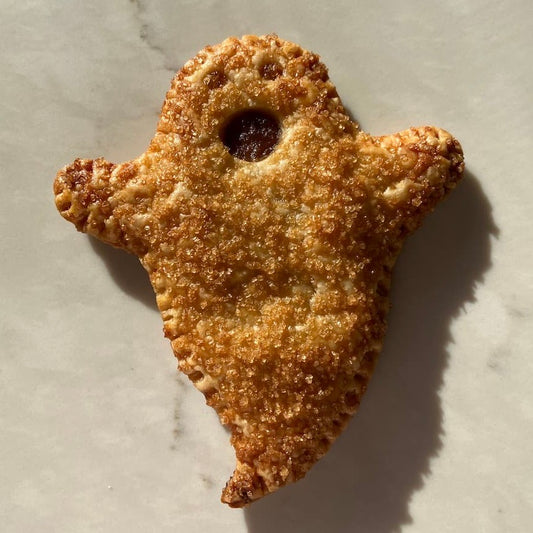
<point x="269" y="225"/>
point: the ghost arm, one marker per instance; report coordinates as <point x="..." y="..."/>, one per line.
<point x="413" y="171"/>
<point x="98" y="197"/>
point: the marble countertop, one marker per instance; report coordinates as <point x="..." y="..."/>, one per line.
<point x="99" y="433"/>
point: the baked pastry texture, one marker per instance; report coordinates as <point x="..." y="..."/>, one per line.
<point x="269" y="224"/>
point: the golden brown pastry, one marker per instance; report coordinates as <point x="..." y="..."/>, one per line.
<point x="269" y="225"/>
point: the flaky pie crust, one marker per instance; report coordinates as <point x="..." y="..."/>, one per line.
<point x="272" y="277"/>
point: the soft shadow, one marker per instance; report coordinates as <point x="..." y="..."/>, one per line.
<point x="366" y="481"/>
<point x="127" y="272"/>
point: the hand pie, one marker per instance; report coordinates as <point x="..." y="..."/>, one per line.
<point x="269" y="224"/>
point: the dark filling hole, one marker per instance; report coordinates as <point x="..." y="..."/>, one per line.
<point x="251" y="135"/>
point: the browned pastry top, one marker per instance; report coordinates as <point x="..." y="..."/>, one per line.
<point x="269" y="225"/>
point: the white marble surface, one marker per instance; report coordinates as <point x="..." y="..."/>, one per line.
<point x="98" y="433"/>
